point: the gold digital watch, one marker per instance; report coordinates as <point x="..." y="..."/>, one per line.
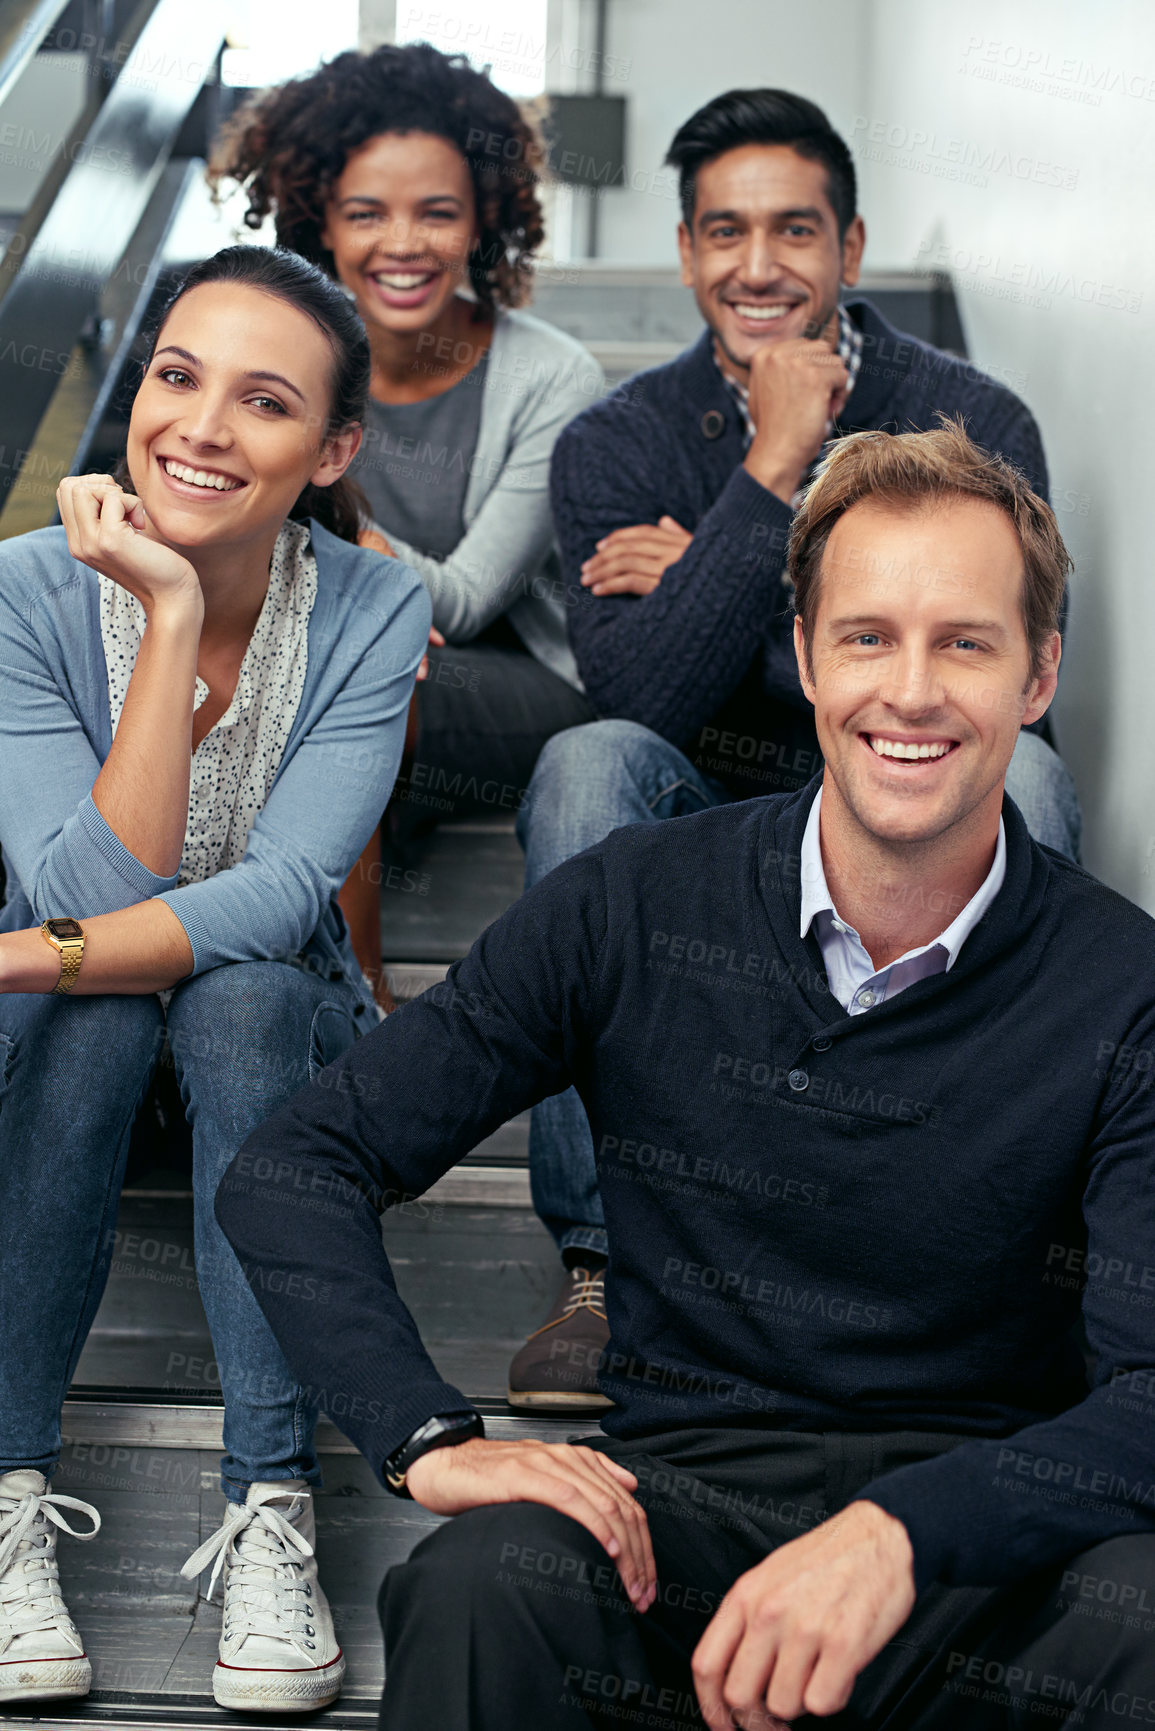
<point x="67" y="938"/>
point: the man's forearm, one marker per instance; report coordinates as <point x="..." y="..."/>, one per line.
<point x="300" y="1203"/>
<point x="301" y="1206"/>
<point x="970" y="1522"/>
<point x="670" y="659"/>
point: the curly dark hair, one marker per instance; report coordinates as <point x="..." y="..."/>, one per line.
<point x="287" y="148"/>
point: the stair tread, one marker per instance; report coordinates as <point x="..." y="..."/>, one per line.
<point x="473" y="1263"/>
<point x="440" y="893"/>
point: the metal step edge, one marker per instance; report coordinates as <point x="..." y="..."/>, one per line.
<point x="627" y="354"/>
<point x="483" y="1187"/>
<point x="409" y="979"/>
<point x="120" y="1423"/>
<point x="464" y="1187"/>
<point x="119" y="1712"/>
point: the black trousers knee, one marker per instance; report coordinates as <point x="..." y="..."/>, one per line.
<point x="483" y="715"/>
<point x="511" y="1618"/>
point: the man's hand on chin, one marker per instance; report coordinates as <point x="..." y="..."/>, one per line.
<point x="792" y="1635"/>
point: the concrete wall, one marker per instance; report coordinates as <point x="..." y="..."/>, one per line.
<point x="1013" y="148"/>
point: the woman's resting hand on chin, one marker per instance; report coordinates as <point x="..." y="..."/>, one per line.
<point x="106" y="529"/>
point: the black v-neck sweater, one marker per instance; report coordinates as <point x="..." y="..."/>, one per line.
<point x="816" y="1222"/>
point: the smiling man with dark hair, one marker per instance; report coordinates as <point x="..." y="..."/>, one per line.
<point x="673" y="501"/>
<point x="869" y="1074"/>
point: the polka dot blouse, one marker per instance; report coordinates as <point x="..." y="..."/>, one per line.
<point x="235" y="765"/>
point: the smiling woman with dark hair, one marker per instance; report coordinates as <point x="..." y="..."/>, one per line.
<point x="203" y="690"/>
<point x="413" y="180"/>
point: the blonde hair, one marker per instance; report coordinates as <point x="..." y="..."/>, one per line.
<point x="918" y="469"/>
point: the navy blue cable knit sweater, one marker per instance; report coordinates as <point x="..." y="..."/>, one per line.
<point x="816" y="1221"/>
<point x="707" y="659"/>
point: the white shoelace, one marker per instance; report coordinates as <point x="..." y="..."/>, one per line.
<point x="263" y="1589"/>
<point x="589" y="1293"/>
<point x="30" y="1598"/>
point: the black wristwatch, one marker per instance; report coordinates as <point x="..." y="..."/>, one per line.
<point x="445" y="1431"/>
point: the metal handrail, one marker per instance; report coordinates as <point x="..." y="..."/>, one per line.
<point x="23" y="26"/>
<point x="166" y="55"/>
<point x="148" y="254"/>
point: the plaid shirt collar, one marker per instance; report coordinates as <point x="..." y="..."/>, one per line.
<point x="849" y="353"/>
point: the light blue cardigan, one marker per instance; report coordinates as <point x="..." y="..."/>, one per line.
<point x="367" y="633"/>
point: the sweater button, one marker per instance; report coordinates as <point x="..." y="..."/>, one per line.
<point x="713" y="424"/>
<point x="822" y="1042"/>
<point x="798" y="1080"/>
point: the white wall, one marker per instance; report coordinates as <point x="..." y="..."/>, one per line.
<point x="668" y="57"/>
<point x="1011" y="142"/>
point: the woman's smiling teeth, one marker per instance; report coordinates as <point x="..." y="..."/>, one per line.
<point x="403" y="280"/>
<point x="200" y="477"/>
<point x="908" y="748"/>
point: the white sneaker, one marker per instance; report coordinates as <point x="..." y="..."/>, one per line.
<point x="278" y="1651"/>
<point x="41" y="1654"/>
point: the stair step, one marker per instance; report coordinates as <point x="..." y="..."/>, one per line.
<point x="408" y="980"/>
<point x="483" y="1187"/>
<point x="103" y="1419"/>
<point x="475" y="1266"/>
<point x="440" y="892"/>
<point x="621" y="359"/>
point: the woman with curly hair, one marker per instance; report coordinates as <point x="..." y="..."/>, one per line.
<point x="413" y="180"/>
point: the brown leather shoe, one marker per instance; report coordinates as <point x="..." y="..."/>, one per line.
<point x="557" y="1368"/>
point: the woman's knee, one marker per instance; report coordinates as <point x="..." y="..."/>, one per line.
<point x="246" y="1007"/>
<point x="73" y="1037"/>
<point x="237" y="986"/>
<point x="265" y="1028"/>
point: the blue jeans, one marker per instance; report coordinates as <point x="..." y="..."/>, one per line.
<point x="73" y="1073"/>
<point x="591" y="780"/>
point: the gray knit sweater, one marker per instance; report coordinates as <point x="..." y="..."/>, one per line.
<point x="537" y="380"/>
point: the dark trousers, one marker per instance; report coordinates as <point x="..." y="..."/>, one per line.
<point x="510" y="1618"/>
<point x="483" y="715"/>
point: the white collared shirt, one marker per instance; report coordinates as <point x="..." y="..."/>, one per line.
<point x="854" y="981"/>
<point x="235" y="764"/>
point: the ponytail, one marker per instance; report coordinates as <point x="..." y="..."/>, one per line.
<point x="342" y="508"/>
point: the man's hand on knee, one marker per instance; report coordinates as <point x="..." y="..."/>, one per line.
<point x="792" y="1635"/>
<point x="579" y="1482"/>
